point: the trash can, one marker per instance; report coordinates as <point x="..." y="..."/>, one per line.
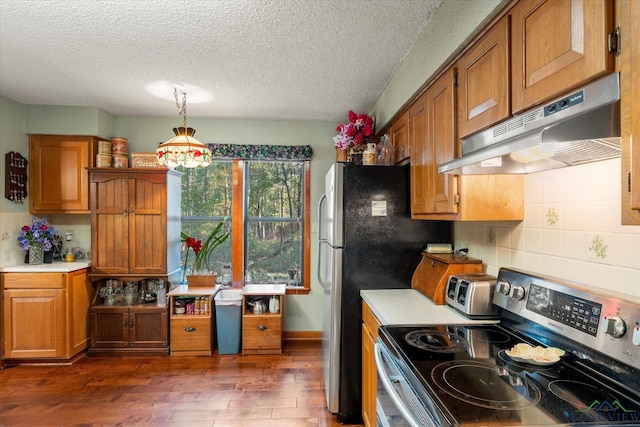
<point x="229" y="320"/>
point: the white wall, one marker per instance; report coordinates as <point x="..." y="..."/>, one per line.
<point x="571" y="230"/>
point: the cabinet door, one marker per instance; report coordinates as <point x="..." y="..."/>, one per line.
<point x="483" y="80"/>
<point x="147" y="223"/>
<point x="109" y="327"/>
<point x="557" y="45"/>
<point x="370" y="326"/>
<point x="34" y="323"/>
<point x="80" y="292"/>
<point x="58" y="179"/>
<point x="420" y="182"/>
<point x="148" y="327"/>
<point x="630" y="110"/>
<point x="109" y="223"/>
<point x="441" y="143"/>
<point x="399" y="135"/>
<point x="262" y="334"/>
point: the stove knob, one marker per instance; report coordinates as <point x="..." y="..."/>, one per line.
<point x="503" y="287"/>
<point x="615" y="326"/>
<point x="517" y="292"/>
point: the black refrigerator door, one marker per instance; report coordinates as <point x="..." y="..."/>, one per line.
<point x="381" y="249"/>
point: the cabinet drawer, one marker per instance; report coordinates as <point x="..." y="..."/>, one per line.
<point x="191" y="334"/>
<point x="34" y="281"/>
<point x="261" y="332"/>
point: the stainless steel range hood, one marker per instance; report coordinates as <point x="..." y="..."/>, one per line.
<point x="578" y="128"/>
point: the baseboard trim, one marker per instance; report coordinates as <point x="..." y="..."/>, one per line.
<point x="302" y="335"/>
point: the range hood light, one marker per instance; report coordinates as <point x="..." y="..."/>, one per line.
<point x="533" y="154"/>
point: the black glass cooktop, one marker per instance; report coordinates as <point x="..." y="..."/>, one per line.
<point x="466" y="373"/>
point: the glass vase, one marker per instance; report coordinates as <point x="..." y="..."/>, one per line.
<point x="36" y="253"/>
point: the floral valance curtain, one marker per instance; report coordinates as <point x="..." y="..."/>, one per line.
<point x="260" y="152"/>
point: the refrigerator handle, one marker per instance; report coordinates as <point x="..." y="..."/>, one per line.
<point x="321" y="240"/>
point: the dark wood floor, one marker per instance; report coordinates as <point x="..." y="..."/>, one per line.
<point x="221" y="391"/>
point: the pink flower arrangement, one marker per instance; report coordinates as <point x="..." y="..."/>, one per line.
<point x="359" y="127"/>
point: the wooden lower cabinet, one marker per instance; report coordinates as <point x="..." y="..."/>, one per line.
<point x="262" y="332"/>
<point x="142" y="329"/>
<point x="370" y="324"/>
<point x="46" y="315"/>
<point x="192" y="330"/>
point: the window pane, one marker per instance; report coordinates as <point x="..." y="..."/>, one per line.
<point x="275" y="189"/>
<point x="207" y="191"/>
<point x="200" y="230"/>
<point x="206" y="200"/>
<point x="274" y="248"/>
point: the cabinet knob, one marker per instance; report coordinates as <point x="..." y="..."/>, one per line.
<point x="190" y="329"/>
<point x="261" y="327"/>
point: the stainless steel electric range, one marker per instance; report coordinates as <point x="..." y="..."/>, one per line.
<point x="461" y="375"/>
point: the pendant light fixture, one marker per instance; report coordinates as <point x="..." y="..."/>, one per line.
<point x="183" y="149"/>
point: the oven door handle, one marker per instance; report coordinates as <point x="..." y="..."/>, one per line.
<point x="387" y="382"/>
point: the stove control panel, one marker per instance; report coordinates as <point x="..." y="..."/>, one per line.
<point x="601" y="321"/>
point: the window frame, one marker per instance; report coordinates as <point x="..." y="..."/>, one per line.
<point x="238" y="226"/>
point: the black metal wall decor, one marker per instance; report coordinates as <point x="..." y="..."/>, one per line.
<point x="15" y="177"/>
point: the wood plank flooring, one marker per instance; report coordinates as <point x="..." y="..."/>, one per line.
<point x="219" y="391"/>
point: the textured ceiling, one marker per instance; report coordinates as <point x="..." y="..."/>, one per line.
<point x="254" y="59"/>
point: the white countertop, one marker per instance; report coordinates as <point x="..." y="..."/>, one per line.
<point x="193" y="290"/>
<point x="264" y="289"/>
<point x="410" y="307"/>
<point x="55" y="267"/>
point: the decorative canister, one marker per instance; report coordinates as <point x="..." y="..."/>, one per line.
<point x="103" y="160"/>
<point x="369" y="155"/>
<point x="120" y="161"/>
<point x="104" y="147"/>
<point x="119" y="145"/>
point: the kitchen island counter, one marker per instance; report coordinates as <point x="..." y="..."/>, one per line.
<point x="410" y="307"/>
<point x="55" y="267"/>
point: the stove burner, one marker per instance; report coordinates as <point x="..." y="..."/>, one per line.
<point x="436" y="341"/>
<point x="578" y="394"/>
<point x="488" y="335"/>
<point x="485" y="385"/>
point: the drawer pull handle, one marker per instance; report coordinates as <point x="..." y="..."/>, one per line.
<point x="190" y="329"/>
<point x="261" y="328"/>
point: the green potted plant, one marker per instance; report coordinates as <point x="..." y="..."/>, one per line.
<point x="201" y="274"/>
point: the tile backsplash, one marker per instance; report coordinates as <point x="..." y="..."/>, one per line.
<point x="571" y="230"/>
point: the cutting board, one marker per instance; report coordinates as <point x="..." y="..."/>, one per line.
<point x="433" y="272"/>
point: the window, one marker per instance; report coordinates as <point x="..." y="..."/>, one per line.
<point x="266" y="205"/>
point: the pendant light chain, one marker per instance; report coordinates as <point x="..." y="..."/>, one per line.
<point x="182" y="110"/>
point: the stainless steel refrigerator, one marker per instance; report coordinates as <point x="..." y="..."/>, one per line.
<point x="366" y="240"/>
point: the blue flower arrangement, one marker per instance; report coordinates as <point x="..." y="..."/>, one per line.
<point x="38" y="232"/>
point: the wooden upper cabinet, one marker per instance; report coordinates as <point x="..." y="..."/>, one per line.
<point x="58" y="178"/>
<point x="556" y="46"/>
<point x="630" y="110"/>
<point x="483" y="81"/>
<point x="399" y="136"/>
<point x="432" y="138"/>
<point x="135" y="221"/>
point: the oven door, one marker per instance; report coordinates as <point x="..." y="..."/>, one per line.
<point x="397" y="403"/>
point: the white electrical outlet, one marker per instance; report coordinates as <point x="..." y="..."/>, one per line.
<point x="70" y="235"/>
